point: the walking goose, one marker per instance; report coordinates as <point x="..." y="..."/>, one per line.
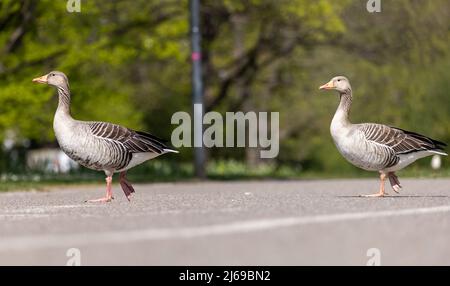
<point x="376" y="147"/>
<point x="100" y="146"/>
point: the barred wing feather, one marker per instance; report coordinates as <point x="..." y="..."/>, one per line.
<point x="399" y="140"/>
<point x="133" y="141"/>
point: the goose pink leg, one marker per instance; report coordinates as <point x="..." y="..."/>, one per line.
<point x="108" y="196"/>
<point x="382" y="192"/>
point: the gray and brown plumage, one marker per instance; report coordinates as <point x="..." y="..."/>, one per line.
<point x="376" y="147"/>
<point x="100" y="146"/>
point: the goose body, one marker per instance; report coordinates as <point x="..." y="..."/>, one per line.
<point x="104" y="146"/>
<point x="376" y="147"/>
<point x="100" y="146"/>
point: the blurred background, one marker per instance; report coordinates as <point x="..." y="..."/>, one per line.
<point x="129" y="62"/>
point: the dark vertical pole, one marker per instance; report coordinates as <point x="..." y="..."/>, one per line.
<point x="197" y="85"/>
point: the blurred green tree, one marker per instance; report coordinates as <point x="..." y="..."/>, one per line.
<point x="128" y="62"/>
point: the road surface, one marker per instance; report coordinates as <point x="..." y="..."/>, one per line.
<point x="312" y="222"/>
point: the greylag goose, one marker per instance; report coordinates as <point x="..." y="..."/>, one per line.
<point x="376" y="147"/>
<point x="100" y="146"/>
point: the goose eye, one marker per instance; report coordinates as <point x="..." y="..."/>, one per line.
<point x="339" y="80"/>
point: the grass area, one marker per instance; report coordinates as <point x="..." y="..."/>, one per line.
<point x="166" y="171"/>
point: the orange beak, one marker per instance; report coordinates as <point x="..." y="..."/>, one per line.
<point x="42" y="79"/>
<point x="328" y="85"/>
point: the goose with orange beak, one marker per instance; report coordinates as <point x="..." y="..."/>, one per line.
<point x="376" y="147"/>
<point x="100" y="146"/>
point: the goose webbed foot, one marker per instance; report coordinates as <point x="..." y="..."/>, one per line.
<point x="382" y="192"/>
<point x="100" y="200"/>
<point x="126" y="185"/>
<point x="395" y="183"/>
<point x="377" y="195"/>
<point x="108" y="197"/>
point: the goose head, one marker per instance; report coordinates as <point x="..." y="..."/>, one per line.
<point x="339" y="83"/>
<point x="55" y="78"/>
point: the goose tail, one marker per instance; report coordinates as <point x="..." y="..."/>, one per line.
<point x="439" y="152"/>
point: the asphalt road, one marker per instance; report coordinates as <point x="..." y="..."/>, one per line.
<point x="316" y="222"/>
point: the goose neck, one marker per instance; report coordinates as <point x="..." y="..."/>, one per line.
<point x="63" y="99"/>
<point x="342" y="113"/>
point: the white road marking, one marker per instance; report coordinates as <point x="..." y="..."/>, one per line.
<point x="80" y="239"/>
<point x="37" y="211"/>
<point x="43" y="209"/>
<point x="23" y="216"/>
<point x="54" y="211"/>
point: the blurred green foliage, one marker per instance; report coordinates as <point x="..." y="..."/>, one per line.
<point x="129" y="62"/>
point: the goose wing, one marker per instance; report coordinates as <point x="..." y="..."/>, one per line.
<point x="133" y="141"/>
<point x="399" y="140"/>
